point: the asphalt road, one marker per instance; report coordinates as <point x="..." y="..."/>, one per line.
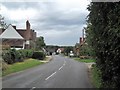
<point x="61" y="72"/>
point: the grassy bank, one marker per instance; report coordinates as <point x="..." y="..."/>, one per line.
<point x="19" y="66"/>
<point x="96" y="78"/>
<point x="85" y="60"/>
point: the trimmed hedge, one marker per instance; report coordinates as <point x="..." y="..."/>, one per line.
<point x="38" y="55"/>
<point x="11" y="56"/>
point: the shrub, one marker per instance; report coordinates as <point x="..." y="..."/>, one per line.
<point x="29" y="53"/>
<point x="19" y="57"/>
<point x="25" y="53"/>
<point x="11" y="56"/>
<point x="38" y="55"/>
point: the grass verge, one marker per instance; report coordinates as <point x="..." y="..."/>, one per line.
<point x="85" y="60"/>
<point x="95" y="77"/>
<point x="19" y="66"/>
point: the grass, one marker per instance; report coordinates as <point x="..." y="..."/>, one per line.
<point x="85" y="60"/>
<point x="19" y="66"/>
<point x="96" y="78"/>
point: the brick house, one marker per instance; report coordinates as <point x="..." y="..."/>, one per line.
<point x="18" y="38"/>
<point x="78" y="46"/>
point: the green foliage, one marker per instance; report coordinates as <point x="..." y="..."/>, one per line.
<point x="26" y="53"/>
<point x="85" y="50"/>
<point x="96" y="76"/>
<point x="67" y="50"/>
<point x="40" y="43"/>
<point x="103" y="35"/>
<point x="38" y="55"/>
<point x="11" y="56"/>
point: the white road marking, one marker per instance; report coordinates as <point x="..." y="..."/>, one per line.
<point x="50" y="76"/>
<point x="60" y="67"/>
<point x="32" y="88"/>
<point x="55" y="72"/>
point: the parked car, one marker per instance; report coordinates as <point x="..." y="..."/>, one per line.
<point x="71" y="55"/>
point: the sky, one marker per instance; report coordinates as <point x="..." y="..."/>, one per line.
<point x="60" y="22"/>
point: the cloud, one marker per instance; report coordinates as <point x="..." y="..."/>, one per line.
<point x="59" y="21"/>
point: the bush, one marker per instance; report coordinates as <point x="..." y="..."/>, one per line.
<point x="38" y="55"/>
<point x="19" y="57"/>
<point x="26" y="53"/>
<point x="11" y="56"/>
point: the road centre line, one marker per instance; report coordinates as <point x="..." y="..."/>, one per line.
<point x="55" y="72"/>
<point x="60" y="67"/>
<point x="32" y="88"/>
<point x="50" y="76"/>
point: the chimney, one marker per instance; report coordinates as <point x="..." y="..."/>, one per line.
<point x="27" y="25"/>
<point x="28" y="32"/>
<point x="80" y="40"/>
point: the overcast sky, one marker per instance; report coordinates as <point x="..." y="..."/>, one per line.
<point x="60" y="22"/>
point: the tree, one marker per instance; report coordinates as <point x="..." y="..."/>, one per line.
<point x="103" y="35"/>
<point x="67" y="49"/>
<point x="40" y="43"/>
<point x="2" y="22"/>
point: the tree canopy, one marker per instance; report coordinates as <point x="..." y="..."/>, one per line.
<point x="40" y="43"/>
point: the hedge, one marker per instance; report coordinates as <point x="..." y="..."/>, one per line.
<point x="103" y="35"/>
<point x="38" y="55"/>
<point x="11" y="56"/>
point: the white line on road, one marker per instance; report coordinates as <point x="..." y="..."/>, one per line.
<point x="60" y="67"/>
<point x="32" y="88"/>
<point x="55" y="72"/>
<point x="50" y="76"/>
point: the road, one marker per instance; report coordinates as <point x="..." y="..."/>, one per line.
<point x="61" y="72"/>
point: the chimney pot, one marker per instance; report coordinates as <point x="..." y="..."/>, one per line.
<point x="80" y="40"/>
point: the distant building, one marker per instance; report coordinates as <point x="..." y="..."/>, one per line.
<point x="18" y="38"/>
<point x="78" y="46"/>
